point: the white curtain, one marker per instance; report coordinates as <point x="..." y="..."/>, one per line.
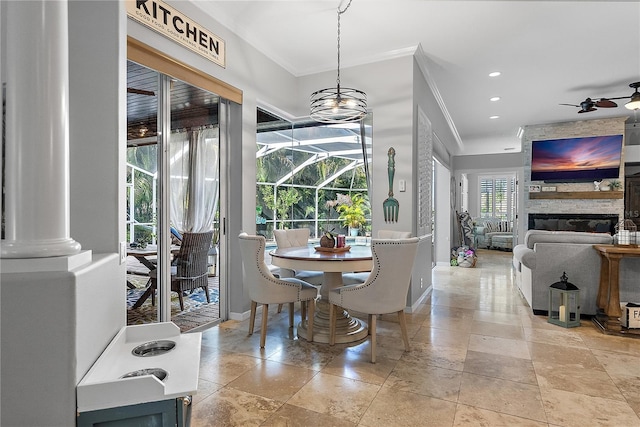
<point x="194" y="167"/>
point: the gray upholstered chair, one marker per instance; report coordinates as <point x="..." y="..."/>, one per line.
<point x="290" y="239"/>
<point x="392" y="234"/>
<point x="384" y="291"/>
<point x="360" y="277"/>
<point x="296" y="237"/>
<point x="264" y="288"/>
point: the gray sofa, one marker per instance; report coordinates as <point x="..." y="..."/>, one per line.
<point x="545" y="255"/>
<point x="487" y="228"/>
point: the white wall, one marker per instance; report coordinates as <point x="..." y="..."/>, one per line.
<point x="443" y="224"/>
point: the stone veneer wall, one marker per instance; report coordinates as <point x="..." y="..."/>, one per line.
<point x="600" y="127"/>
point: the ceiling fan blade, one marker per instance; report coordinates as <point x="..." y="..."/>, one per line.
<point x="606" y="103"/>
<point x="587" y="110"/>
<point x="571" y="105"/>
<point x="141" y="91"/>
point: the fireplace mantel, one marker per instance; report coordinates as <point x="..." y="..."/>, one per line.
<point x="577" y="195"/>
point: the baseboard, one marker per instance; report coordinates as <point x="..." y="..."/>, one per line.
<point x="419" y="301"/>
<point x="240" y="317"/>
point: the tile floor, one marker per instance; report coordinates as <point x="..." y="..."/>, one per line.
<point x="478" y="358"/>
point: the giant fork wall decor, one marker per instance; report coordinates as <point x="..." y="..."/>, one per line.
<point x="391" y="205"/>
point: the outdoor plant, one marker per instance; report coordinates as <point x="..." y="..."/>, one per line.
<point x="353" y="211"/>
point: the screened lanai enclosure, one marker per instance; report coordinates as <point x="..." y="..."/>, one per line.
<point x="312" y="175"/>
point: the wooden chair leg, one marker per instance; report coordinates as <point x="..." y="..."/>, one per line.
<point x="332" y="324"/>
<point x="303" y="310"/>
<point x="369" y="320"/>
<point x="372" y="331"/>
<point x="265" y="317"/>
<point x="291" y="309"/>
<point x="403" y="328"/>
<point x="152" y="283"/>
<point x="312" y="309"/>
<point x="252" y="316"/>
<point x="279" y="308"/>
<point x="181" y="299"/>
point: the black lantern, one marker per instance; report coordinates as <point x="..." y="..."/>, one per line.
<point x="564" y="303"/>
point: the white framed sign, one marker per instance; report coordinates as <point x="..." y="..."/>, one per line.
<point x="172" y="24"/>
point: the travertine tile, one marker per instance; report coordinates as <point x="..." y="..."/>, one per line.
<point x="224" y="368"/>
<point x="442" y="337"/>
<point x="500" y="346"/>
<point x="572" y="409"/>
<point x="273" y="380"/>
<point x="468" y="416"/>
<point x="357" y="366"/>
<point x="338" y="397"/>
<point x="290" y="415"/>
<point x="397" y="408"/>
<point x="498" y="366"/>
<point x="504" y="396"/>
<point x="305" y="354"/>
<point x="559" y="335"/>
<point x="229" y="407"/>
<point x="435" y="355"/>
<point x="205" y="389"/>
<point x="577" y="379"/>
<point x="500" y="330"/>
<point x="479" y="357"/>
<point x="415" y="377"/>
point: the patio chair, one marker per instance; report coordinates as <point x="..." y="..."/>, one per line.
<point x="264" y="288"/>
<point x="191" y="267"/>
<point x="385" y="291"/>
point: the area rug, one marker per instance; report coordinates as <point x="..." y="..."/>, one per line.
<point x="197" y="312"/>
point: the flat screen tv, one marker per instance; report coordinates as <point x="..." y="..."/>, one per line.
<point x="583" y="159"/>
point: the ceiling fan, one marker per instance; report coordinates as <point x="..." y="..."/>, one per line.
<point x="589" y="104"/>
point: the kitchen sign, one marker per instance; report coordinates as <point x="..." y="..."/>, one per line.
<point x="172" y="24"/>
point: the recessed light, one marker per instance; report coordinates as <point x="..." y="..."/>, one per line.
<point x="494" y="74"/>
<point x="494" y="99"/>
<point x="494" y="117"/>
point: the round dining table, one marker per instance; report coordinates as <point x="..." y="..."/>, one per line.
<point x="332" y="264"/>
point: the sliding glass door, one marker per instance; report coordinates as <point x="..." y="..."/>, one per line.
<point x="173" y="190"/>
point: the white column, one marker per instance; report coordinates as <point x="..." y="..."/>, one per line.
<point x="37" y="131"/>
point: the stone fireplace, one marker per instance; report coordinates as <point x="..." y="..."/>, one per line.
<point x="594" y="223"/>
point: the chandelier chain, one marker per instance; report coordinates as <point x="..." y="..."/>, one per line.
<point x="340" y="12"/>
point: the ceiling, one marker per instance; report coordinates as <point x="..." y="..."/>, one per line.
<point x="549" y="53"/>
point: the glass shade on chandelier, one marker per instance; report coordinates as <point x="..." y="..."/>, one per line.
<point x="338" y="105"/>
<point x="634" y="104"/>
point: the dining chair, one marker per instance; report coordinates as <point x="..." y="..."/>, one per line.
<point x="393" y="234"/>
<point x="297" y="237"/>
<point x="384" y="291"/>
<point x="190" y="267"/>
<point x="264" y="288"/>
<point x="292" y="238"/>
<point x="360" y="277"/>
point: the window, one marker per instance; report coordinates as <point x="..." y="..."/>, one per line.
<point x="497" y="197"/>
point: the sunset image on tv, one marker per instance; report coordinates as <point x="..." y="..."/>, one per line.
<point x="576" y="159"/>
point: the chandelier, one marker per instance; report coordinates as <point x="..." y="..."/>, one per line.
<point x="338" y="104"/>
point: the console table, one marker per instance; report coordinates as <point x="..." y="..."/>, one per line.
<point x="609" y="311"/>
